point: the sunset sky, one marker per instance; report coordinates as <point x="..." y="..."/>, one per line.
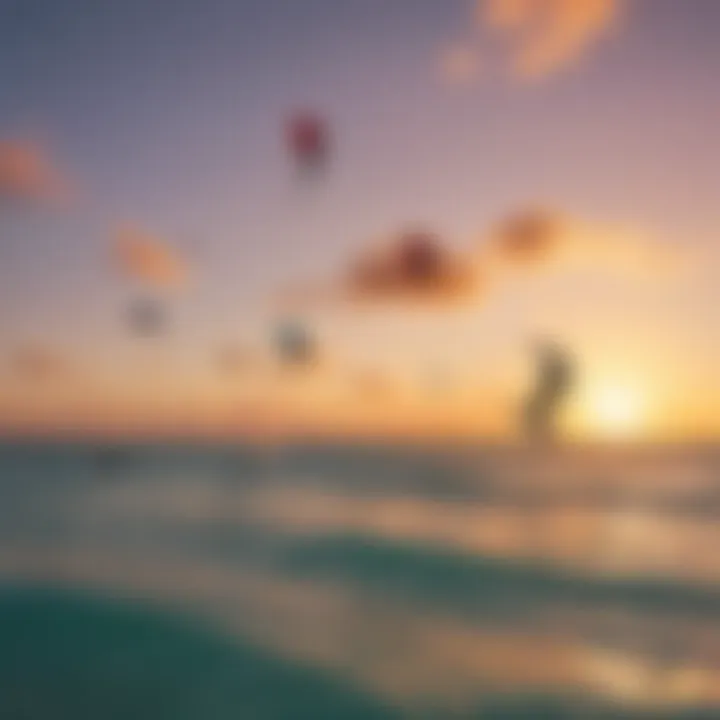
<point x="142" y="154"/>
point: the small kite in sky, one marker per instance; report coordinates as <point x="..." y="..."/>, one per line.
<point x="308" y="141"/>
<point x="295" y="344"/>
<point x="147" y="317"/>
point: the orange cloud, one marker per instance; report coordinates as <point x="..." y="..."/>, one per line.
<point x="546" y="36"/>
<point x="27" y="173"/>
<point x="149" y="259"/>
<point x="415" y="266"/>
<point x="624" y="251"/>
<point x="529" y="236"/>
<point x="536" y="237"/>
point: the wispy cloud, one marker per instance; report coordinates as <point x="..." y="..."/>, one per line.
<point x="39" y="363"/>
<point x="28" y="173"/>
<point x="529" y="236"/>
<point x="533" y="39"/>
<point x="545" y="36"/>
<point x="149" y="259"/>
<point x="541" y="237"/>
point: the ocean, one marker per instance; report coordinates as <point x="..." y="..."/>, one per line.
<point x="358" y="581"/>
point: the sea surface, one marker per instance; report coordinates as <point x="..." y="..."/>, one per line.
<point x="328" y="581"/>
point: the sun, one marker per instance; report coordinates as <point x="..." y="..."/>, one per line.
<point x="616" y="410"/>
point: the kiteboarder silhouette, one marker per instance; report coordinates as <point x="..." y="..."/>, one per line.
<point x="554" y="380"/>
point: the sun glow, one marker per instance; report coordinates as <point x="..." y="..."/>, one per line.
<point x="616" y="410"/>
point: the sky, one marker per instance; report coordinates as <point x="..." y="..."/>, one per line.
<point x="143" y="156"/>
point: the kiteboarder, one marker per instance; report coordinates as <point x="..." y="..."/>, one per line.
<point x="554" y="380"/>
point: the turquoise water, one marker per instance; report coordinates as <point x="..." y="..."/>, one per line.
<point x="71" y="655"/>
<point x="358" y="582"/>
